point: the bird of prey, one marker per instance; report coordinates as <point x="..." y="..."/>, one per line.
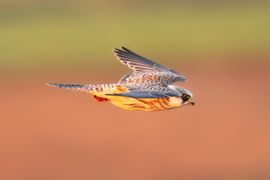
<point x="148" y="88"/>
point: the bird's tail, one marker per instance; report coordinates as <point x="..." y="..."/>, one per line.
<point x="83" y="87"/>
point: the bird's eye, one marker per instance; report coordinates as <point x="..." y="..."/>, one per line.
<point x="185" y="97"/>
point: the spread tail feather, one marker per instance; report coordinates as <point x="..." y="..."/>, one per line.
<point x="77" y="87"/>
<point x="83" y="87"/>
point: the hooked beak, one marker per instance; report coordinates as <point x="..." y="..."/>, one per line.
<point x="192" y="102"/>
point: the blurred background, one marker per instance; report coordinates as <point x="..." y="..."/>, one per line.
<point x="222" y="47"/>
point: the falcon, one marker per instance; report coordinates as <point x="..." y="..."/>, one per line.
<point x="149" y="87"/>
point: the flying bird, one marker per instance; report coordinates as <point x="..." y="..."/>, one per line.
<point x="149" y="87"/>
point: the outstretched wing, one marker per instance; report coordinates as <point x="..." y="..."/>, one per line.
<point x="136" y="62"/>
<point x="149" y="92"/>
<point x="145" y="70"/>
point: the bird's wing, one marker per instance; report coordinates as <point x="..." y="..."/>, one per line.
<point x="143" y="68"/>
<point x="150" y="78"/>
<point x="150" y="92"/>
<point x="135" y="61"/>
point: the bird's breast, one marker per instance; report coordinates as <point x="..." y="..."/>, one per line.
<point x="146" y="104"/>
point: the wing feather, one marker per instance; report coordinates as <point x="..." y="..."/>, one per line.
<point x="144" y="94"/>
<point x="135" y="61"/>
<point x="145" y="70"/>
<point x="150" y="92"/>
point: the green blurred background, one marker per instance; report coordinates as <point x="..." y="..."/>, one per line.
<point x="222" y="47"/>
<point x="60" y="33"/>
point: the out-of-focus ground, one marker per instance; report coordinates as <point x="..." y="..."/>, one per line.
<point x="222" y="47"/>
<point x="49" y="133"/>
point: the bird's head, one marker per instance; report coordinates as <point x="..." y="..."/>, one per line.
<point x="186" y="95"/>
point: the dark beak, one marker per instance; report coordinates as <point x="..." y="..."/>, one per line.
<point x="192" y="103"/>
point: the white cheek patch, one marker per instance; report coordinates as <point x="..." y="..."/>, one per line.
<point x="175" y="101"/>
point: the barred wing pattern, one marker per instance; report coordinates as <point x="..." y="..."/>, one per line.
<point x="161" y="78"/>
<point x="145" y="70"/>
<point x="135" y="61"/>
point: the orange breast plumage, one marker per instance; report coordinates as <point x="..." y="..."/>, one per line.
<point x="146" y="104"/>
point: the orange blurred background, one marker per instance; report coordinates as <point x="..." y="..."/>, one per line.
<point x="49" y="133"/>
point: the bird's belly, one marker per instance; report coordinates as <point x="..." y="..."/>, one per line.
<point x="143" y="104"/>
<point x="146" y="104"/>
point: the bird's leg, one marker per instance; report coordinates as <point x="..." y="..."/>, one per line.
<point x="100" y="99"/>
